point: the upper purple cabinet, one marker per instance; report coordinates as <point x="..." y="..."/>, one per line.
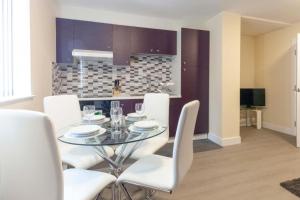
<point x="64" y="40"/>
<point x="164" y="42"/>
<point x="194" y="45"/>
<point x="93" y="36"/>
<point x="121" y="44"/>
<point x="140" y="40"/>
<point x="128" y="41"/>
<point x="189" y="46"/>
<point x="153" y="41"/>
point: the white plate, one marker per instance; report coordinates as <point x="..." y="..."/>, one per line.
<point x="135" y="115"/>
<point x="84" y="129"/>
<point x="134" y="119"/>
<point x="94" y="118"/>
<point x="146" y="125"/>
<point x="93" y="134"/>
<point x="132" y="128"/>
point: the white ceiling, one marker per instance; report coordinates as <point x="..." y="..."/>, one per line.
<point x="280" y="10"/>
<point x="256" y="26"/>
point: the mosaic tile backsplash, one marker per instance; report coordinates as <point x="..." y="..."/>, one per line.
<point x="92" y="79"/>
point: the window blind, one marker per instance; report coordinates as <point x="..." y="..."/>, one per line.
<point x="6" y="51"/>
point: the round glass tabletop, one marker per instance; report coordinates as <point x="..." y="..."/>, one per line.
<point x="124" y="136"/>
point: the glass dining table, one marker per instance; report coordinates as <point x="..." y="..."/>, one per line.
<point x="126" y="139"/>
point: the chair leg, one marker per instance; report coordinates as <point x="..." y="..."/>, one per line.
<point x="113" y="192"/>
<point x="99" y="197"/>
<point x="116" y="192"/>
<point x="127" y="194"/>
<point x="149" y="193"/>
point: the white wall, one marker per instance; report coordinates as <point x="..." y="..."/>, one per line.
<point x="225" y="79"/>
<point x="247" y="61"/>
<point x="247" y="68"/>
<point x="274" y="71"/>
<point x="96" y="15"/>
<point x="42" y="19"/>
<point x="215" y="78"/>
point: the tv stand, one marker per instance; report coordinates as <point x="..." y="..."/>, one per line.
<point x="258" y="113"/>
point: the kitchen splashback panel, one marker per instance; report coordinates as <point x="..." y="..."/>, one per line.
<point x="91" y="79"/>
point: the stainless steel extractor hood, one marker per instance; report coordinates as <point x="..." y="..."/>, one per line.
<point x="91" y="54"/>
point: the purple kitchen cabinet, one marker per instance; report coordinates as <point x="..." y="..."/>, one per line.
<point x="121" y="44"/>
<point x="140" y="38"/>
<point x="190" y="77"/>
<point x="157" y="40"/>
<point x="64" y="40"/>
<point x="128" y="105"/>
<point x="124" y="41"/>
<point x="189" y="48"/>
<point x="153" y="41"/>
<point x="195" y="73"/>
<point x="195" y="86"/>
<point x="171" y="43"/>
<point x="164" y="42"/>
<point x="195" y="48"/>
<point x="93" y="36"/>
<point x="175" y="109"/>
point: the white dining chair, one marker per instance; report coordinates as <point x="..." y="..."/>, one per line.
<point x="163" y="173"/>
<point x="64" y="111"/>
<point x="30" y="165"/>
<point x="156" y="107"/>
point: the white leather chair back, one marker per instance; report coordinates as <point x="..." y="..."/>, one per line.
<point x="157" y="107"/>
<point x="183" y="144"/>
<point x="30" y="166"/>
<point x="63" y="110"/>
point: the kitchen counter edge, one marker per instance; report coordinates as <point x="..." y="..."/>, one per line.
<point x="121" y="98"/>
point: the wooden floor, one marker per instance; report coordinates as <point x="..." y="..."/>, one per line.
<point x="249" y="171"/>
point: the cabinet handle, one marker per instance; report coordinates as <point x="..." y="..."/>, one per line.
<point x="108" y="47"/>
<point x="157" y="50"/>
<point x="151" y="50"/>
<point x="184" y="62"/>
<point x="184" y="69"/>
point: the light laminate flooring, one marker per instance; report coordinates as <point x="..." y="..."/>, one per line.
<point x="249" y="171"/>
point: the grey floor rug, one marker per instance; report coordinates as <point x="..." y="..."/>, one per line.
<point x="199" y="146"/>
<point x="293" y="186"/>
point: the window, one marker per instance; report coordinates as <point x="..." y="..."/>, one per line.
<point x="14" y="49"/>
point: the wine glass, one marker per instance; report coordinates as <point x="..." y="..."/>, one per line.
<point x="115" y="104"/>
<point x="139" y="108"/>
<point x="116" y="115"/>
<point x="88" y="112"/>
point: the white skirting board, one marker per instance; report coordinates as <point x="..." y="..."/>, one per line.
<point x="278" y="128"/>
<point x="224" y="141"/>
<point x="202" y="136"/>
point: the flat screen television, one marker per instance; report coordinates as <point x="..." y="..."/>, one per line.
<point x="252" y="97"/>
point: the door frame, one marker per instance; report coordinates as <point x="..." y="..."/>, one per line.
<point x="296" y="89"/>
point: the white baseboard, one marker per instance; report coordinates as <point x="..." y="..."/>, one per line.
<point x="278" y="128"/>
<point x="196" y="137"/>
<point x="224" y="141"/>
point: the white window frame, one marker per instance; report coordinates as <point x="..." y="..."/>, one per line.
<point x="15" y="51"/>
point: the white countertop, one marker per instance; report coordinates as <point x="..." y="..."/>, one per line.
<point x="122" y="97"/>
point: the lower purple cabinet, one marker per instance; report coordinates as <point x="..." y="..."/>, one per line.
<point x="175" y="109"/>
